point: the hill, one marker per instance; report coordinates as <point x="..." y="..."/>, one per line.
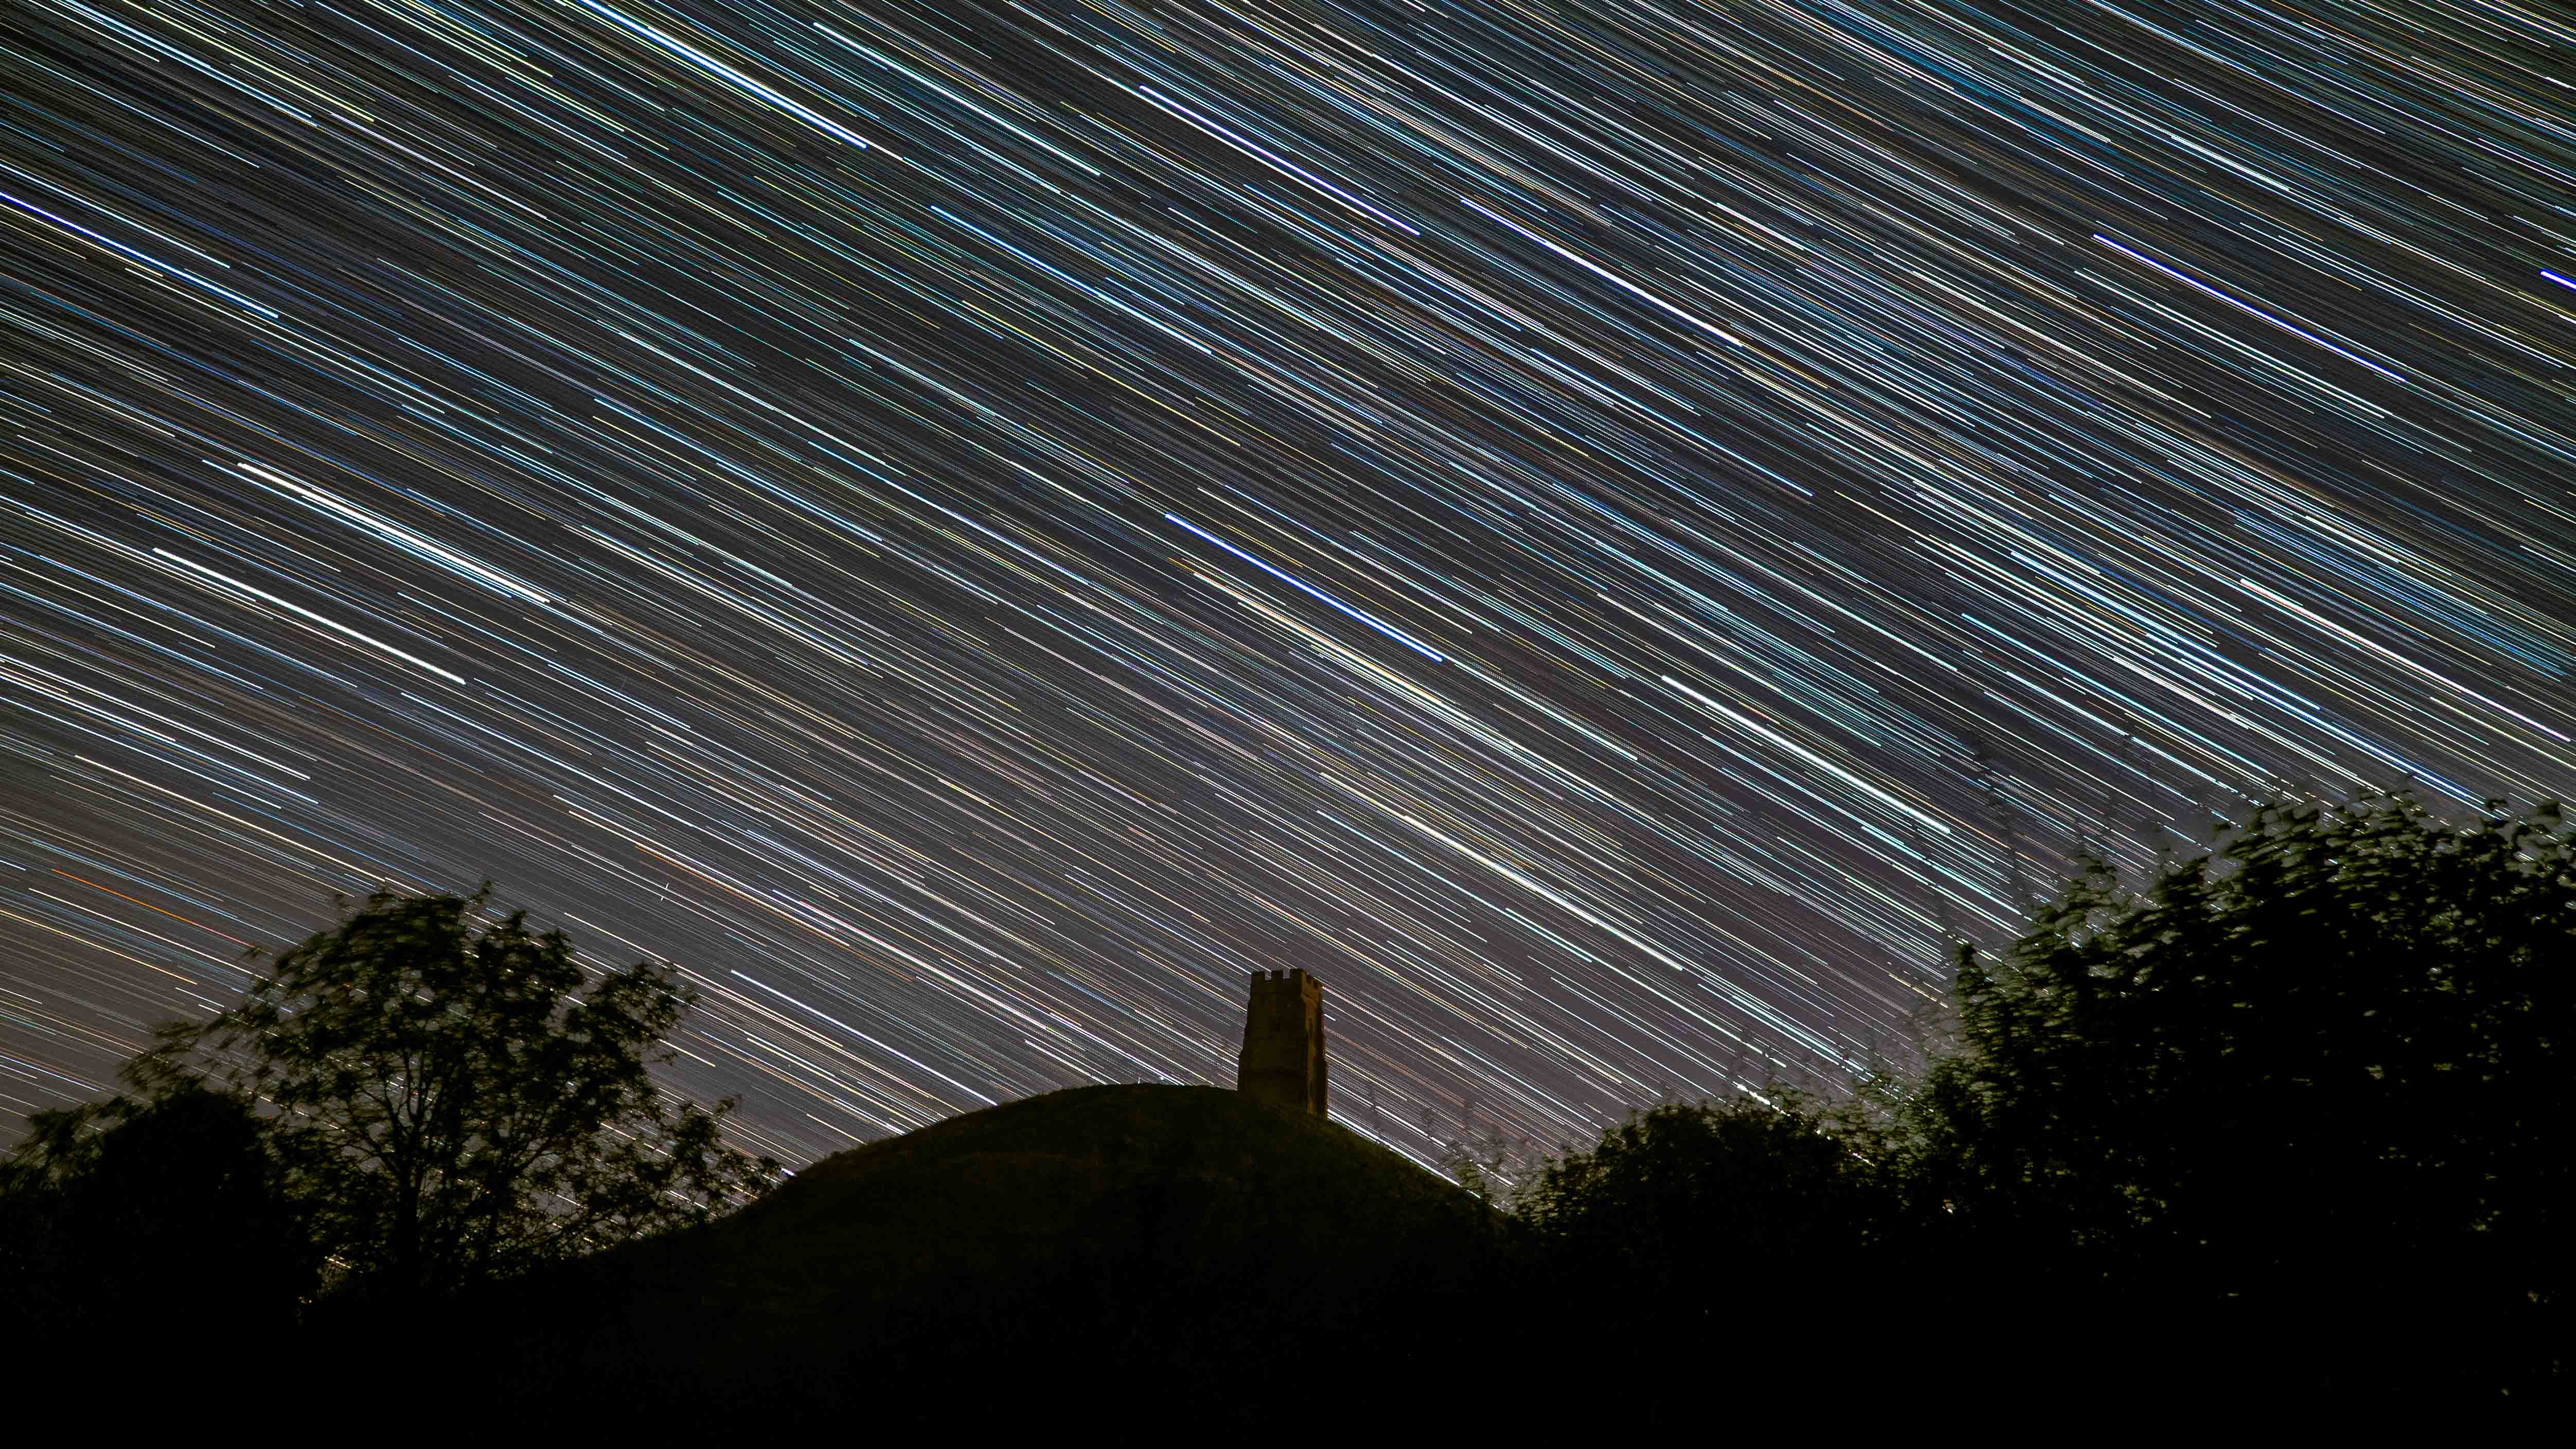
<point x="1143" y="1251"/>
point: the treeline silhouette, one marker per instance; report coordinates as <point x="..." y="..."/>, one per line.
<point x="410" y="1103"/>
<point x="2287" y="1119"/>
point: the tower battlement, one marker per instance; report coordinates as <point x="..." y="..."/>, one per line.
<point x="1283" y="1041"/>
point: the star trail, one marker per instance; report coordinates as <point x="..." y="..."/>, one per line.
<point x="1604" y="532"/>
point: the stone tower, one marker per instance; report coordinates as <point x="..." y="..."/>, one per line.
<point x="1283" y="1041"/>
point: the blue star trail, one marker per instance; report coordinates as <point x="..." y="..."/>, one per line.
<point x="1605" y="532"/>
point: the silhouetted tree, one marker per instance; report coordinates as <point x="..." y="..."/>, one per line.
<point x="1486" y="1165"/>
<point x="2314" y="1078"/>
<point x="451" y="1099"/>
<point x="127" y="1213"/>
<point x="1695" y="1227"/>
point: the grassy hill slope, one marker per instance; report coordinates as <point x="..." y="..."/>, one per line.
<point x="1161" y="1246"/>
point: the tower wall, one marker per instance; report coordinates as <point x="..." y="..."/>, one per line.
<point x="1283" y="1042"/>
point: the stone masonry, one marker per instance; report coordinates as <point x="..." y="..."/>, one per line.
<point x="1283" y="1041"/>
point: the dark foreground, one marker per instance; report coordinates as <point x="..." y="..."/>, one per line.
<point x="1167" y="1259"/>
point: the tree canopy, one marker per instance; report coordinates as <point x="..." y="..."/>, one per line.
<point x="2313" y="1073"/>
<point x="127" y="1211"/>
<point x="1689" y="1196"/>
<point x="2292" y="1111"/>
<point x="435" y="1096"/>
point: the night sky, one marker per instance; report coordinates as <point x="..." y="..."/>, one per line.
<point x="1602" y="531"/>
